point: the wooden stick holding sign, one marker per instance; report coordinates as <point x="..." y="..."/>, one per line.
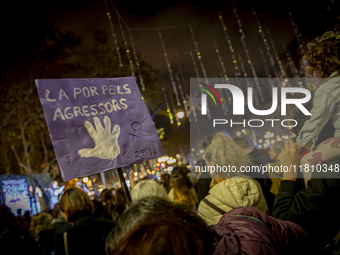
<point x="124" y="185"/>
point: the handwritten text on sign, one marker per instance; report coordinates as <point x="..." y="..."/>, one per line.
<point x="97" y="124"/>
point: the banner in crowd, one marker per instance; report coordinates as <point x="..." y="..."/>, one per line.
<point x="97" y="124"/>
<point x="15" y="193"/>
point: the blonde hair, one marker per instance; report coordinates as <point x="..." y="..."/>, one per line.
<point x="148" y="188"/>
<point x="182" y="194"/>
<point x="223" y="151"/>
<point x="39" y="223"/>
<point x="75" y="204"/>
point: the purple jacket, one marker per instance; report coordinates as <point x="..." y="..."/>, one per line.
<point x="257" y="233"/>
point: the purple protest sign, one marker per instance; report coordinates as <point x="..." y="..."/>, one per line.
<point x="97" y="124"/>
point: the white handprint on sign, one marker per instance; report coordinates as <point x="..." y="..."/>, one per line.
<point x="106" y="142"/>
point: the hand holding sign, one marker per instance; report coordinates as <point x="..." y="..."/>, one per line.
<point x="106" y="142"/>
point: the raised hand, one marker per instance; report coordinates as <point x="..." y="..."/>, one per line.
<point x="290" y="158"/>
<point x="106" y="142"/>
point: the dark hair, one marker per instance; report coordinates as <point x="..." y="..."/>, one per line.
<point x="109" y="203"/>
<point x="75" y="204"/>
<point x="106" y="195"/>
<point x="120" y="197"/>
<point x="161" y="236"/>
<point x="201" y="162"/>
<point x="98" y="209"/>
<point x="182" y="194"/>
<point x="207" y="141"/>
<point x="166" y="183"/>
<point x="149" y="208"/>
<point x="181" y="171"/>
<point x="14" y="235"/>
<point x="56" y="211"/>
<point x="242" y="142"/>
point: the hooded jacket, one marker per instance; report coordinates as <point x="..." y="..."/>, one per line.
<point x="229" y="194"/>
<point x="246" y="230"/>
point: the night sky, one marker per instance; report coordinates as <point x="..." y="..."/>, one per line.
<point x="24" y="22"/>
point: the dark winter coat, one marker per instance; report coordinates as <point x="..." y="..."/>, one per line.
<point x="260" y="157"/>
<point x="246" y="230"/>
<point x="315" y="208"/>
<point x="203" y="186"/>
<point x="86" y="236"/>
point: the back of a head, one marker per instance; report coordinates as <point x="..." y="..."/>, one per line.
<point x="207" y="140"/>
<point x="323" y="54"/>
<point x="223" y="151"/>
<point x="56" y="212"/>
<point x="178" y="170"/>
<point x="161" y="236"/>
<point x="106" y="195"/>
<point x="39" y="223"/>
<point x="120" y="198"/>
<point x="242" y="142"/>
<point x="165" y="178"/>
<point x="75" y="204"/>
<point x="148" y="188"/>
<point x="182" y="193"/>
<point x="98" y="211"/>
<point x="149" y="208"/>
<point x="201" y="163"/>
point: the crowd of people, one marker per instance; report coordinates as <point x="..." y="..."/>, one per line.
<point x="277" y="212"/>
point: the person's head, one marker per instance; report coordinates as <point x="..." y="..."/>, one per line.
<point x="322" y="57"/>
<point x="27" y="214"/>
<point x="207" y="141"/>
<point x="223" y="151"/>
<point x="19" y="212"/>
<point x="154" y="216"/>
<point x="108" y="203"/>
<point x="148" y="188"/>
<point x="106" y="196"/>
<point x="243" y="144"/>
<point x="275" y="149"/>
<point x="165" y="180"/>
<point x="120" y="199"/>
<point x="161" y="236"/>
<point x="50" y="214"/>
<point x="200" y="164"/>
<point x="181" y="171"/>
<point x="182" y="194"/>
<point x="75" y="204"/>
<point x="39" y="223"/>
<point x="57" y="213"/>
<point x="98" y="209"/>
